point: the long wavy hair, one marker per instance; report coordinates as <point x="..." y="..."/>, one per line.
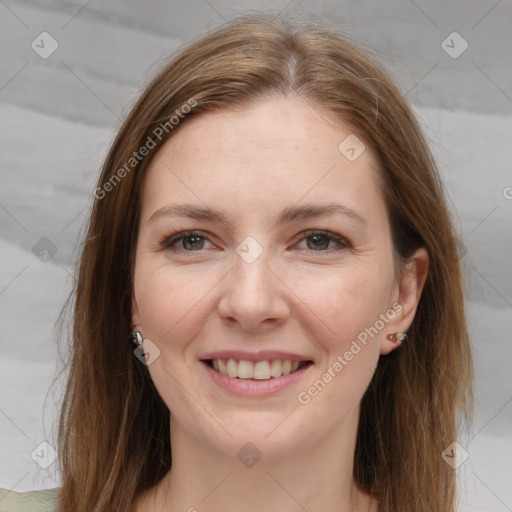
<point x="113" y="431"/>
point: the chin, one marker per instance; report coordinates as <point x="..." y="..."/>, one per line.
<point x="265" y="435"/>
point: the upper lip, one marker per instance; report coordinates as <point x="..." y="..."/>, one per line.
<point x="254" y="356"/>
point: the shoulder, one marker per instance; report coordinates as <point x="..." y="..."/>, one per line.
<point x="33" y="501"/>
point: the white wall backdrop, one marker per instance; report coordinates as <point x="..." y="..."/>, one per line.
<point x="70" y="70"/>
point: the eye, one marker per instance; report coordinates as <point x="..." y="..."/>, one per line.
<point x="323" y="241"/>
<point x="189" y="241"/>
<point x="194" y="241"/>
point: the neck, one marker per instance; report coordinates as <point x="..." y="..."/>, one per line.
<point x="310" y="477"/>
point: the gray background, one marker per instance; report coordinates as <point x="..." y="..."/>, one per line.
<point x="59" y="115"/>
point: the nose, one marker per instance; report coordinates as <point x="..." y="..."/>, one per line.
<point x="253" y="297"/>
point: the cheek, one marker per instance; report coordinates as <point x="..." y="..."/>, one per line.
<point x="348" y="303"/>
<point x="343" y="302"/>
<point x="171" y="301"/>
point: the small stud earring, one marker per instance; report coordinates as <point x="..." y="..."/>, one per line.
<point x="398" y="338"/>
<point x="136" y="337"/>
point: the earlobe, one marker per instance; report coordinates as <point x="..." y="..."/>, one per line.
<point x="397" y="338"/>
<point x="409" y="286"/>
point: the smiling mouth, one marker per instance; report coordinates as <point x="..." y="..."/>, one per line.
<point x="259" y="370"/>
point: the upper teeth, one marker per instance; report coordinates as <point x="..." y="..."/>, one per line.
<point x="261" y="370"/>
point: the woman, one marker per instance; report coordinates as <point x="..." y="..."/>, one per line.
<point x="269" y="306"/>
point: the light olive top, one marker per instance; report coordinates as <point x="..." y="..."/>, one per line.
<point x="33" y="501"/>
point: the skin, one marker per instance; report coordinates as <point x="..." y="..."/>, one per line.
<point x="250" y="165"/>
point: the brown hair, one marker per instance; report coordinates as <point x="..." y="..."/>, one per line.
<point x="114" y="427"/>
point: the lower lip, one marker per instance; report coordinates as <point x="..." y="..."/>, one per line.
<point x="255" y="388"/>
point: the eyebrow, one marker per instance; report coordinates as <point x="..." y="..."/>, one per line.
<point x="287" y="215"/>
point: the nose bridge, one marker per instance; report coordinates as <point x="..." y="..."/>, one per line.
<point x="253" y="277"/>
<point x="252" y="294"/>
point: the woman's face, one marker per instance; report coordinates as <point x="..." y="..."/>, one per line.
<point x="264" y="238"/>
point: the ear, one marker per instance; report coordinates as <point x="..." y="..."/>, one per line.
<point x="406" y="295"/>
<point x="135" y="311"/>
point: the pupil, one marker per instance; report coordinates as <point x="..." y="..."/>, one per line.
<point x="193" y="242"/>
<point x="319" y="242"/>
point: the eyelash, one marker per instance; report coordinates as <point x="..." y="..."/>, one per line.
<point x="168" y="241"/>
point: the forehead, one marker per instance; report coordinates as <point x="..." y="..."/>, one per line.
<point x="275" y="154"/>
